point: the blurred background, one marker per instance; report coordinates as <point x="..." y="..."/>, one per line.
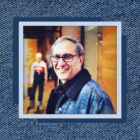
<point x="100" y="43"/>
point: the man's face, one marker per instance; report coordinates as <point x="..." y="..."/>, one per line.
<point x="66" y="70"/>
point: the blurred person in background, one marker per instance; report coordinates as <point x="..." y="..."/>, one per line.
<point x="49" y="65"/>
<point x="38" y="77"/>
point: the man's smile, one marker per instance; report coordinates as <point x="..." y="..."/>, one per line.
<point x="62" y="69"/>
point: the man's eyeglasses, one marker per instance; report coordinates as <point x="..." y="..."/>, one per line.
<point x="65" y="57"/>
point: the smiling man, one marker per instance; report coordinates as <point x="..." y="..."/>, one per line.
<point x="77" y="93"/>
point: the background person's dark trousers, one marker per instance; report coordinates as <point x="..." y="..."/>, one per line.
<point x="36" y="83"/>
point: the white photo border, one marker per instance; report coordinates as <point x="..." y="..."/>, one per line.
<point x="71" y="116"/>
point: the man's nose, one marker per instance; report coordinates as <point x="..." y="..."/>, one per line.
<point x="61" y="61"/>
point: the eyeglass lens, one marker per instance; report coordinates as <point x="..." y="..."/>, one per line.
<point x="65" y="57"/>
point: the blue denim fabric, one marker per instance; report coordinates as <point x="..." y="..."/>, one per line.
<point x="92" y="99"/>
<point x="128" y="12"/>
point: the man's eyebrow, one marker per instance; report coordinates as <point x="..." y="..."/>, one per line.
<point x="62" y="55"/>
<point x="67" y="54"/>
<point x="56" y="54"/>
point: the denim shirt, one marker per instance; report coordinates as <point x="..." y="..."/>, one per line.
<point x="92" y="99"/>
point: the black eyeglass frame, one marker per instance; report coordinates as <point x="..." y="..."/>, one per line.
<point x="63" y="57"/>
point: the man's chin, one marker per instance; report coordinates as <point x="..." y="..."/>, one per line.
<point x="63" y="73"/>
<point x="63" y="78"/>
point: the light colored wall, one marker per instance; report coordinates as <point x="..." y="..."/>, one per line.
<point x="90" y="62"/>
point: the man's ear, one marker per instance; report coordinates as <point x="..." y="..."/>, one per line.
<point x="81" y="59"/>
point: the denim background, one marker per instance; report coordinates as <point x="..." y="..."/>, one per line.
<point x="126" y="11"/>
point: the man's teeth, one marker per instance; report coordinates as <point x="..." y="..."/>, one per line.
<point x="62" y="69"/>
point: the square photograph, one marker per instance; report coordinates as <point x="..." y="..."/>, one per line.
<point x="70" y="70"/>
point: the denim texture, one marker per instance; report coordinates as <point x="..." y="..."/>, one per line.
<point x="128" y="12"/>
<point x="92" y="99"/>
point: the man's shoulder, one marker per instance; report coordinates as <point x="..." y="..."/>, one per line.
<point x="92" y="85"/>
<point x="97" y="98"/>
<point x="93" y="88"/>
